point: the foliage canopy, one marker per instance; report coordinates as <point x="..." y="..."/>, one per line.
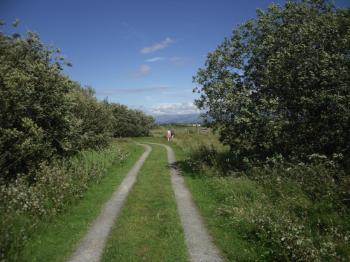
<point x="281" y="83"/>
<point x="44" y="114"/>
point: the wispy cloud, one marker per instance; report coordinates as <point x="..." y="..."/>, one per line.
<point x="155" y="59"/>
<point x="175" y="60"/>
<point x="174" y="109"/>
<point x="180" y="61"/>
<point x="157" y="46"/>
<point x="144" y="70"/>
<point x="117" y="91"/>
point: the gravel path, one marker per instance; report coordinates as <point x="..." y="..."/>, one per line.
<point x="92" y="245"/>
<point x="198" y="240"/>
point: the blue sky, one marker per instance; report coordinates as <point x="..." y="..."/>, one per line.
<point x="139" y="53"/>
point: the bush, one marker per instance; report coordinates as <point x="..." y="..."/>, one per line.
<point x="130" y="123"/>
<point x="45" y="115"/>
<point x="277" y="90"/>
<point x="35" y="112"/>
<point x="280" y="83"/>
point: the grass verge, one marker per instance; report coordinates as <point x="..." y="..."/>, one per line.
<point x="275" y="212"/>
<point x="149" y="228"/>
<point x="55" y="240"/>
<point x="209" y="193"/>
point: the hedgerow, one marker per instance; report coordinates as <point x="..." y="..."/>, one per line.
<point x="44" y="114"/>
<point x="55" y="137"/>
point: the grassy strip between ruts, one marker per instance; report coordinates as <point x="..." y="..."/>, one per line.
<point x="207" y="198"/>
<point x="149" y="228"/>
<point x="55" y="240"/>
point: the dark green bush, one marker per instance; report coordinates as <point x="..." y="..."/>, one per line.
<point x="35" y="111"/>
<point x="130" y="123"/>
<point x="44" y="114"/>
<point x="278" y="92"/>
<point x="280" y="83"/>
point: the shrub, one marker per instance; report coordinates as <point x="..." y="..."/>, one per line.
<point x="130" y="123"/>
<point x="280" y="83"/>
<point x="35" y="112"/>
<point x="45" y="115"/>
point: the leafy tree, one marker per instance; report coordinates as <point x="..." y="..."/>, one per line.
<point x="35" y="111"/>
<point x="45" y="115"/>
<point x="93" y="120"/>
<point x="144" y="123"/>
<point x="281" y="83"/>
<point x="128" y="122"/>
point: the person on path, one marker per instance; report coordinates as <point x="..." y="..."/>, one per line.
<point x="168" y="134"/>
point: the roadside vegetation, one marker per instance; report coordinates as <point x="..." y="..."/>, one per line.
<point x="56" y="138"/>
<point x="24" y="205"/>
<point x="274" y="212"/>
<point x="279" y="86"/>
<point x="46" y="115"/>
<point x="269" y="171"/>
<point x="64" y="231"/>
<point x="272" y="178"/>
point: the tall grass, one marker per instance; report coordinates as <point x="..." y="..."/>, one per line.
<point x="191" y="138"/>
<point x="25" y="202"/>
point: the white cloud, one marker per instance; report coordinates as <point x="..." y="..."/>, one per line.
<point x="143" y="70"/>
<point x="157" y="46"/>
<point x="117" y="91"/>
<point x="180" y="61"/>
<point x="155" y="59"/>
<point x="174" y="109"/>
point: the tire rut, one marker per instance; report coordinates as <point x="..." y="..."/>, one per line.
<point x="92" y="245"/>
<point x="199" y="243"/>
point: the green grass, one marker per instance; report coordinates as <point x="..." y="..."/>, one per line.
<point x="55" y="240"/>
<point x="209" y="194"/>
<point x="264" y="214"/>
<point x="189" y="138"/>
<point x="149" y="228"/>
<point x="212" y="193"/>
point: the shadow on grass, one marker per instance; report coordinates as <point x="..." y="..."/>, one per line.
<point x="186" y="168"/>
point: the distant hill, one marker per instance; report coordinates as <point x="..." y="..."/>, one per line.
<point x="178" y="119"/>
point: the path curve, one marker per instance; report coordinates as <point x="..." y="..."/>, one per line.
<point x="92" y="245"/>
<point x="199" y="243"/>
